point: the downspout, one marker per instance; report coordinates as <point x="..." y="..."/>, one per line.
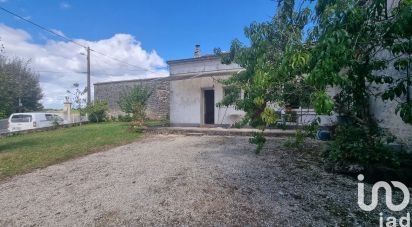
<point x="408" y="77"/>
<point x="408" y="83"/>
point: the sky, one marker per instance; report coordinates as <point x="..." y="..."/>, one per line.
<point x="143" y="35"/>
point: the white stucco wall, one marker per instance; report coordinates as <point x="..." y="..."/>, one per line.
<point x="384" y="113"/>
<point x="196" y="65"/>
<point x="187" y="104"/>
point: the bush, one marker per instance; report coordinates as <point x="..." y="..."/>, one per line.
<point x="3" y="115"/>
<point x="97" y="111"/>
<point x="125" y="118"/>
<point x="298" y="141"/>
<point x="259" y="140"/>
<point x="113" y="118"/>
<point x="133" y="98"/>
<point x="134" y="102"/>
<point x="355" y="144"/>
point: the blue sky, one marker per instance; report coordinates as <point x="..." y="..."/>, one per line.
<point x="144" y="34"/>
<point x="169" y="27"/>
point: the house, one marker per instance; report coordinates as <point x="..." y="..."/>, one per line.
<point x="188" y="97"/>
<point x="195" y="90"/>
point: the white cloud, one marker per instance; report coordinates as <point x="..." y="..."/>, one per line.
<point x="65" y="5"/>
<point x="60" y="63"/>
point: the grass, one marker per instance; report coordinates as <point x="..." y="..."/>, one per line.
<point x="23" y="153"/>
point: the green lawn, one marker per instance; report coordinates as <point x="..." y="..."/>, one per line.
<point x="23" y="153"/>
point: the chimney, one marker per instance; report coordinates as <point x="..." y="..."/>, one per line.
<point x="197" y="51"/>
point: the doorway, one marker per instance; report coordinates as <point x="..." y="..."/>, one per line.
<point x="209" y="106"/>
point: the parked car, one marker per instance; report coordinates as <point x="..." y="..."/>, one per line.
<point x="25" y="121"/>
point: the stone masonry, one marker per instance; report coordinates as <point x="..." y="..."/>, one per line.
<point x="158" y="103"/>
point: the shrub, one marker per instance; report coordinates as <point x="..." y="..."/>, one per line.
<point x="298" y="141"/>
<point x="56" y="121"/>
<point x="134" y="102"/>
<point x="3" y="115"/>
<point x="355" y="144"/>
<point x="125" y="118"/>
<point x="259" y="140"/>
<point x="97" y="111"/>
<point x="134" y="98"/>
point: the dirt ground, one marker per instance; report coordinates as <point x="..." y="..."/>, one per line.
<point x="183" y="180"/>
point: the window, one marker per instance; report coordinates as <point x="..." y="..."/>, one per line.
<point x="49" y="117"/>
<point x="21" y="118"/>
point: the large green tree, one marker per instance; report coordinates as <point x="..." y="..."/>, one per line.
<point x="19" y="87"/>
<point x="398" y="40"/>
<point x="351" y="46"/>
<point x="364" y="49"/>
<point x="274" y="63"/>
<point x="355" y="43"/>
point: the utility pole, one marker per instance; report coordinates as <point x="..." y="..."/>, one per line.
<point x="20" y="105"/>
<point x="88" y="76"/>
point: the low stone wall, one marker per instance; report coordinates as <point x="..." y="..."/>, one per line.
<point x="158" y="103"/>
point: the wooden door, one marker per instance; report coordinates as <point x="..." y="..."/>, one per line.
<point x="209" y="114"/>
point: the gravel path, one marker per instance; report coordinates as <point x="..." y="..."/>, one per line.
<point x="182" y="180"/>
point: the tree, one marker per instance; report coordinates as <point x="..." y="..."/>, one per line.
<point x="19" y="87"/>
<point x="134" y="102"/>
<point x="274" y="63"/>
<point x="398" y="40"/>
<point x="355" y="43"/>
<point x="348" y="36"/>
<point x="78" y="97"/>
<point x="1" y="47"/>
<point x="353" y="39"/>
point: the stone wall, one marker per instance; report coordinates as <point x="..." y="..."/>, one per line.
<point x="158" y="103"/>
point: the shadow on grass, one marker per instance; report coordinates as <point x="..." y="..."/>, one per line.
<point x="10" y="146"/>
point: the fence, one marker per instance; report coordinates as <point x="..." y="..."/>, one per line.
<point x="303" y="116"/>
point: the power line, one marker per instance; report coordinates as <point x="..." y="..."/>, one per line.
<point x="43" y="28"/>
<point x="47" y="71"/>
<point x="74" y="72"/>
<point x="74" y="42"/>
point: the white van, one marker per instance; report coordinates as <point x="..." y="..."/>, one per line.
<point x="25" y="121"/>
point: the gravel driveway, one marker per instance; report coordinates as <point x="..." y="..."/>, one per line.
<point x="182" y="180"/>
